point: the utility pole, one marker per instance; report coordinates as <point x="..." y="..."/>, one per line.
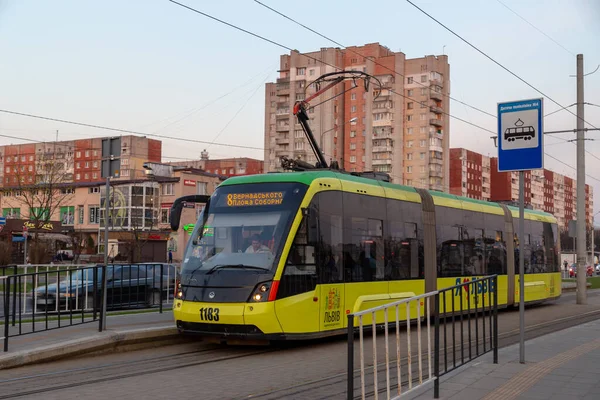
<point x="581" y="220"/>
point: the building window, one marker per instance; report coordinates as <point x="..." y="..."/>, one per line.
<point x="301" y="71"/>
<point x="422" y="168"/>
<point x="353" y="109"/>
<point x="422" y="143"/>
<point x="78" y="177"/>
<point x="422" y="156"/>
<point x="125" y="161"/>
<point x="409" y="131"/>
<point x="352" y="146"/>
<point x="168" y="189"/>
<point x="409" y="143"/>
<point x="165" y="216"/>
<point x="410" y="105"/>
<point x="423" y="91"/>
<point x="311" y="72"/>
<point x="95" y="164"/>
<point x="80" y="216"/>
<point x="94" y="214"/>
<point x="87" y="176"/>
<point x="30" y="158"/>
<point x="353" y="96"/>
<point x="409" y="80"/>
<point x="410" y="92"/>
<point x="352" y="133"/>
<point x="423" y="117"/>
<point x="94" y="190"/>
<point x="409" y="156"/>
<point x="95" y="153"/>
<point x="201" y="187"/>
<point x="423" y="78"/>
<point x="78" y="165"/>
<point x="352" y="159"/>
<point x="87" y="164"/>
<point x="409" y="169"/>
<point x="87" y="153"/>
<point x="409" y="118"/>
<point x="95" y="175"/>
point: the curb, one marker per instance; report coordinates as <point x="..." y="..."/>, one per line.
<point x="99" y="342"/>
<point x="574" y="288"/>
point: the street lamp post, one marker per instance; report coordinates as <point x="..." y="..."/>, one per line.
<point x="351" y="120"/>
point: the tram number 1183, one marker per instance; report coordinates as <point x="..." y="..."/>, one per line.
<point x="209" y="314"/>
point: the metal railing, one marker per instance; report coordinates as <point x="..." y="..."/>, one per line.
<point x="414" y="362"/>
<point x="43" y="297"/>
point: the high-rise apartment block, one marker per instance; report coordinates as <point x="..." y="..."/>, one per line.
<point x="400" y="128"/>
<point x="475" y="175"/>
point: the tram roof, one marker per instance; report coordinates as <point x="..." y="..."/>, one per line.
<point x="307" y="177"/>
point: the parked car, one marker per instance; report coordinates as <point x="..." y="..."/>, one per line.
<point x="128" y="285"/>
<point x="573" y="270"/>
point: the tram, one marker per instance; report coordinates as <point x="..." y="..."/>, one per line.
<point x="288" y="255"/>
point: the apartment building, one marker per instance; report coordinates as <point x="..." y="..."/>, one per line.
<point x="73" y="160"/>
<point x="470" y="174"/>
<point x="400" y="128"/>
<point x="544" y="190"/>
<point x="226" y="167"/>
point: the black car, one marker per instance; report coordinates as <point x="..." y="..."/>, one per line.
<point x="128" y="285"/>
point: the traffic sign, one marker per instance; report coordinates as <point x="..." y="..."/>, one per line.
<point x="520" y="135"/>
<point x="2" y="220"/>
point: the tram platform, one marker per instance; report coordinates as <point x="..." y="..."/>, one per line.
<point x="133" y="330"/>
<point x="560" y="365"/>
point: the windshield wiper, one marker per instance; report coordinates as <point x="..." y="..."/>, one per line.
<point x="223" y="266"/>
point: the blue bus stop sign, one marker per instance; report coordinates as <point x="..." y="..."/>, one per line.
<point x="520" y="135"/>
<point x="2" y="220"/>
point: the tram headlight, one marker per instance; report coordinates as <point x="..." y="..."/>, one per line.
<point x="179" y="293"/>
<point x="263" y="292"/>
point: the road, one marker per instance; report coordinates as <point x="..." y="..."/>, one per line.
<point x="313" y="370"/>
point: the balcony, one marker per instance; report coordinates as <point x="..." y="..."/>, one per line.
<point x="436" y="110"/>
<point x="280" y="117"/>
<point x="436" y="147"/>
<point x="282" y="140"/>
<point x="437" y="174"/>
<point x="436" y="82"/>
<point x="436" y="95"/>
<point x="282" y="128"/>
<point x="386" y="161"/>
<point x="435" y="122"/>
<point x="279" y="153"/>
<point x="433" y="160"/>
<point x="382" y="149"/>
<point x="382" y="122"/>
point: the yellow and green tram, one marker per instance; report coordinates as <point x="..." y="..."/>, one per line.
<point x="289" y="255"/>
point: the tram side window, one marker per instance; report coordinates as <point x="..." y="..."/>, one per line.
<point x="330" y="245"/>
<point x="526" y="246"/>
<point x="473" y="243"/>
<point x="495" y="246"/>
<point x="363" y="238"/>
<point x="403" y="241"/>
<point x="451" y="254"/>
<point x="551" y="247"/>
<point x="300" y="273"/>
<point x="538" y="262"/>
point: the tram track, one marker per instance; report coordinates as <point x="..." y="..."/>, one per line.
<point x="68" y="378"/>
<point x="339" y="380"/>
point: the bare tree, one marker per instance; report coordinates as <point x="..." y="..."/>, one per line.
<point x="44" y="187"/>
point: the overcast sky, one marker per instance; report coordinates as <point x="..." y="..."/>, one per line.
<point x="155" y="67"/>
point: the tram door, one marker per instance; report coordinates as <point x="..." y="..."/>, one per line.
<point x="331" y="273"/>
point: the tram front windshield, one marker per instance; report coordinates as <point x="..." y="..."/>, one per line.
<point x="245" y="230"/>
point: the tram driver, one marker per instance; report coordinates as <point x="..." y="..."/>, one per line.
<point x="257" y="246"/>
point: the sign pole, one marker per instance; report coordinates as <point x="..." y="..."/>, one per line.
<point x="25" y="245"/>
<point x="104" y="278"/>
<point x="521" y="148"/>
<point x="521" y="267"/>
